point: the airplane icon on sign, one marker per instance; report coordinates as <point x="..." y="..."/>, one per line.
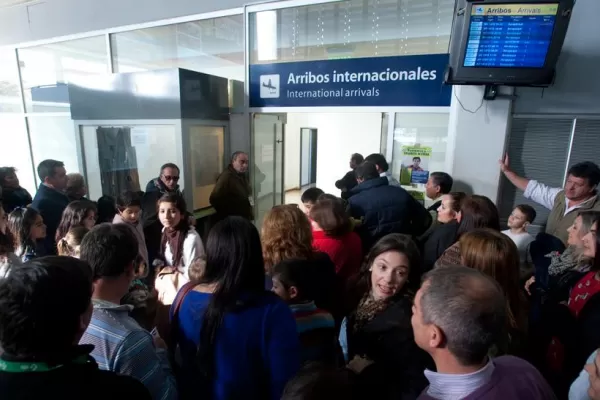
<point x="269" y="86"/>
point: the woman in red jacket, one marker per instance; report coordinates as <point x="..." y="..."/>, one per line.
<point x="333" y="235"/>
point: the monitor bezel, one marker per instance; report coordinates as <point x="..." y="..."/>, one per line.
<point x="458" y="74"/>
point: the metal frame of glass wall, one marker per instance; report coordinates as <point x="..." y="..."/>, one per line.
<point x="27" y="115"/>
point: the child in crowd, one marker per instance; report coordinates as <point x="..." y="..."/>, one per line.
<point x="316" y="327"/>
<point x="106" y="209"/>
<point x="309" y="198"/>
<point x="69" y="245"/>
<point x="28" y="230"/>
<point x="180" y="245"/>
<point x="521" y="217"/>
<point x="143" y="299"/>
<point x="354" y="222"/>
<point x="129" y="211"/>
<point x="196" y="270"/>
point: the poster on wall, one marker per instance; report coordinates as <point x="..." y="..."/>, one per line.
<point x="415" y="164"/>
<point x="416" y="81"/>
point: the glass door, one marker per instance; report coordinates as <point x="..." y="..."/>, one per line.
<point x="267" y="163"/>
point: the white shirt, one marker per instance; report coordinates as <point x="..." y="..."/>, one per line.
<point x="545" y="196"/>
<point x="456" y="387"/>
<point x="192" y="249"/>
<point x="522" y="240"/>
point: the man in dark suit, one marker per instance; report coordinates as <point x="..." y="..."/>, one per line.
<point x="348" y="182"/>
<point x="50" y="200"/>
<point x="384" y="208"/>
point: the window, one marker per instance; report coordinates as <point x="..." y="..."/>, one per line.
<point x="351" y="29"/>
<point x="12" y="130"/>
<point x="126" y="157"/>
<point x="10" y="96"/>
<point x="46" y="70"/>
<point x="212" y="46"/>
<point x="54" y="138"/>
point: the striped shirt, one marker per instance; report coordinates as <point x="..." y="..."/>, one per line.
<point x="456" y="386"/>
<point x="122" y="346"/>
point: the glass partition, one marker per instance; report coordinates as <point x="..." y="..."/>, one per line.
<point x="13" y="134"/>
<point x="425" y="130"/>
<point x="54" y="137"/>
<point x="207" y="152"/>
<point x="351" y="29"/>
<point x="46" y="70"/>
<point x="10" y="96"/>
<point x="121" y="157"/>
<point x="213" y="46"/>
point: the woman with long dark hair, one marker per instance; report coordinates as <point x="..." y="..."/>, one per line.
<point x="475" y="212"/>
<point x="236" y="340"/>
<point x="13" y="194"/>
<point x="378" y="330"/>
<point x="28" y="229"/>
<point x="78" y="213"/>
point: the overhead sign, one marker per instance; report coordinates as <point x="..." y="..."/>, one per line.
<point x="379" y="81"/>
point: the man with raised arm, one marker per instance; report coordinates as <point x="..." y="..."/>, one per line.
<point x="580" y="193"/>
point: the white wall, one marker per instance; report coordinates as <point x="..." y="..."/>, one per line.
<point x="338" y="136"/>
<point x="476" y="140"/>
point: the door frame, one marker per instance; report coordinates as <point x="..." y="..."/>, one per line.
<point x="283" y="118"/>
<point x="312" y="149"/>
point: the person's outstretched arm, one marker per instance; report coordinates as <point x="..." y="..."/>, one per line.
<point x="542" y="194"/>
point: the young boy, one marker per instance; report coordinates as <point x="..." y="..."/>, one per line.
<point x="309" y="198"/>
<point x="521" y="217"/>
<point x="316" y="327"/>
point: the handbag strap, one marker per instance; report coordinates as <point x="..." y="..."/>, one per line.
<point x="176" y="306"/>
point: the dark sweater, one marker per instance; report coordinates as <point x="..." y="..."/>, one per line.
<point x="442" y="237"/>
<point x="50" y="203"/>
<point x="71" y="382"/>
<point x="514" y="379"/>
<point x="15" y="198"/>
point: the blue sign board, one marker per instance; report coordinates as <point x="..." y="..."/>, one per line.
<point x="403" y="81"/>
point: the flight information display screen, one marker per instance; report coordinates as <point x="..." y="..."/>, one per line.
<point x="510" y="35"/>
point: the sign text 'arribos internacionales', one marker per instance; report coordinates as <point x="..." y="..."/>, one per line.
<point x="383" y="81"/>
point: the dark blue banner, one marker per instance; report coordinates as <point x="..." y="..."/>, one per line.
<point x="415" y="81"/>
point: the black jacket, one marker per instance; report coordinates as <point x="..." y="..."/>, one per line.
<point x="346" y="184"/>
<point x="231" y="193"/>
<point x="442" y="237"/>
<point x="388" y="340"/>
<point x="15" y="198"/>
<point x="70" y="382"/>
<point x="50" y="203"/>
<point x="386" y="209"/>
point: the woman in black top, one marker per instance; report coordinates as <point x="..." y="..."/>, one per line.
<point x="13" y="195"/>
<point x="379" y="329"/>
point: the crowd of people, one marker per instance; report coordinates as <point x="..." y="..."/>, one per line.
<point x="365" y="295"/>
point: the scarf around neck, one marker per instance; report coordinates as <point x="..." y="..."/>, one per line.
<point x="174" y="237"/>
<point x="368" y="308"/>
